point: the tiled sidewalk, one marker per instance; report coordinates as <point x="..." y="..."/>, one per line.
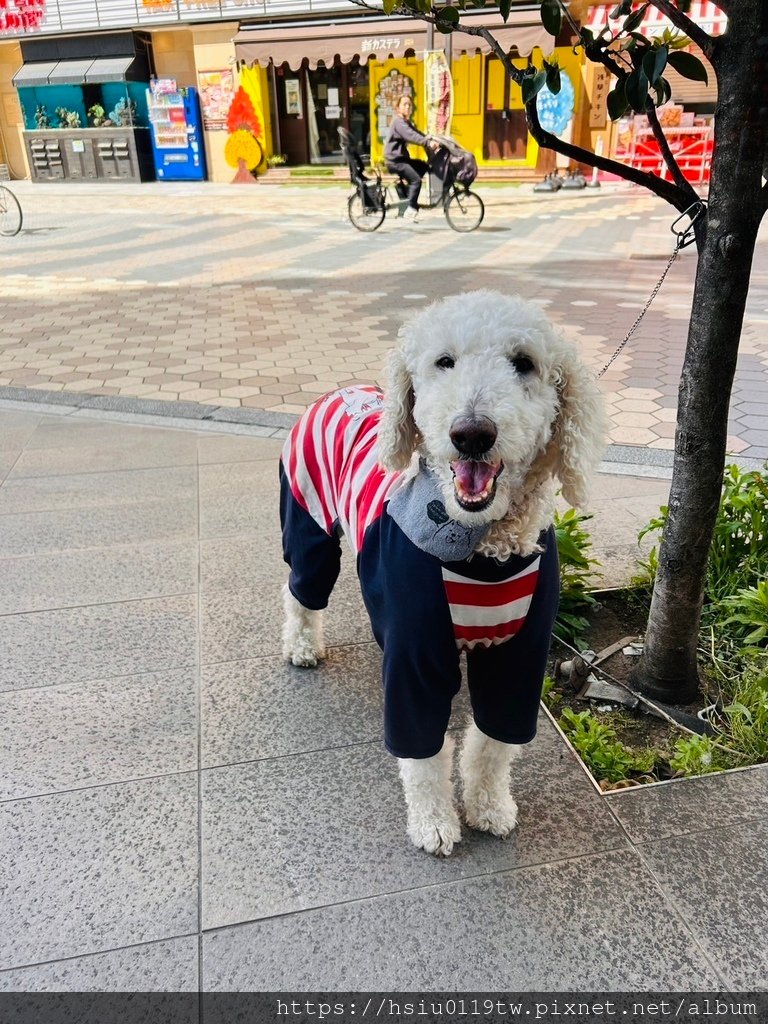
<point x="267" y="298"/>
<point x="181" y="810"/>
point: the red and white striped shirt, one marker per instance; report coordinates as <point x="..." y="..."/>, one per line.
<point x="331" y="463"/>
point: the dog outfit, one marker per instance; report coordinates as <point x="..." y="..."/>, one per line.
<point x="428" y="596"/>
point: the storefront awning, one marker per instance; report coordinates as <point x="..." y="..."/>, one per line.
<point x="74" y="72"/>
<point x="35" y="73"/>
<point x="291" y="44"/>
<point x="381" y="38"/>
<point x="69" y="72"/>
<point x="522" y="31"/>
<point x="110" y="69"/>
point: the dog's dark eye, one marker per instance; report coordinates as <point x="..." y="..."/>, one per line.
<point x="522" y="364"/>
<point x="446" y="362"/>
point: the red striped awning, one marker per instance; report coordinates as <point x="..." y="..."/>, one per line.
<point x="706" y="14"/>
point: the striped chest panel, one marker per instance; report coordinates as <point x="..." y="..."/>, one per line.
<point x="485" y="614"/>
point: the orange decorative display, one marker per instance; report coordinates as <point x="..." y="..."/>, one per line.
<point x="242" y="149"/>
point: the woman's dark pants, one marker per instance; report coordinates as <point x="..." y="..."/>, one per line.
<point x="412" y="172"/>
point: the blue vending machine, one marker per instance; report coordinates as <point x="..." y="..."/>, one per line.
<point x="177" y="131"/>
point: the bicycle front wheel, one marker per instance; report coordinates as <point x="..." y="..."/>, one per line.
<point x="464" y="211"/>
<point x="364" y="217"/>
<point x="10" y="212"/>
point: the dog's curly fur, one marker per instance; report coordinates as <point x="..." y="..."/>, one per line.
<point x="476" y="355"/>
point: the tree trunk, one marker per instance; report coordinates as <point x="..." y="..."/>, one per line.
<point x="668" y="669"/>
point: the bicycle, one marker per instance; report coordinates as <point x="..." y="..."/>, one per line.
<point x="371" y="201"/>
<point x="10" y="213"/>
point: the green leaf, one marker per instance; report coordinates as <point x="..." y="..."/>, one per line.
<point x="533" y="85"/>
<point x="553" y="79"/>
<point x="654" y="63"/>
<point x="504" y="6"/>
<point x="688" y="66"/>
<point x="389" y="6"/>
<point x="663" y="92"/>
<point x="617" y="102"/>
<point x="447" y="19"/>
<point x="636" y="90"/>
<point x="635" y="19"/>
<point x="551" y="16"/>
<point x="625" y="7"/>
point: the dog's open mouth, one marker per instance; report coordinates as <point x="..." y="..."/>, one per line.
<point x="475" y="483"/>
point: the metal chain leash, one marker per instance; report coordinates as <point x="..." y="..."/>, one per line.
<point x="684" y="238"/>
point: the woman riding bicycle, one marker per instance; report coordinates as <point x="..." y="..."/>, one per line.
<point x="402" y="132"/>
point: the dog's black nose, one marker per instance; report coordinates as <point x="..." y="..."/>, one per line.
<point x="473" y="435"/>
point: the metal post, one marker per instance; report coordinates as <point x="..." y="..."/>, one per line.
<point x="449" y="45"/>
<point x="275" y="111"/>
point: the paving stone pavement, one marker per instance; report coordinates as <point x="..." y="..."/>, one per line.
<point x="181" y="811"/>
<point x="266" y="297"/>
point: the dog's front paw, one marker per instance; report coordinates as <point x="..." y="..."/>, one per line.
<point x="303" y="643"/>
<point x="302" y="651"/>
<point x="437" y="836"/>
<point x="498" y="816"/>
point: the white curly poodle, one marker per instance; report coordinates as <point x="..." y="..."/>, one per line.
<point x="444" y="488"/>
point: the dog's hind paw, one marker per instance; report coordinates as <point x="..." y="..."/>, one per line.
<point x="497" y="818"/>
<point x="438" y="837"/>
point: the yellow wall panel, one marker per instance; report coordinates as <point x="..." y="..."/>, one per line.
<point x="468" y="103"/>
<point x="12" y="150"/>
<point x="385" y="82"/>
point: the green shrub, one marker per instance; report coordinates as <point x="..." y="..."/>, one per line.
<point x="549" y="695"/>
<point x="695" y="755"/>
<point x="738" y="557"/>
<point x="744" y="725"/>
<point x="576" y="576"/>
<point x="596" y="743"/>
<point x="750" y="616"/>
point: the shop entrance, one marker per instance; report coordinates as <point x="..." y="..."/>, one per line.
<point x="326" y="112"/>
<point x="337" y="98"/>
<point x="505" y="133"/>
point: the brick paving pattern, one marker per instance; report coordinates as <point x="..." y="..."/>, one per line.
<point x="266" y="298"/>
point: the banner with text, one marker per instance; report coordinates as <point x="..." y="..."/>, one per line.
<point x="438" y="93"/>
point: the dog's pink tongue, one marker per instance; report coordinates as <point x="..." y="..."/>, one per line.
<point x="473" y="477"/>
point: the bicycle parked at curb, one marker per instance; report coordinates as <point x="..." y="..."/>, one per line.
<point x="372" y="200"/>
<point x="10" y="213"/>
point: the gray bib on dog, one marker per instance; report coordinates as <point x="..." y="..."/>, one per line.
<point x="418" y="509"/>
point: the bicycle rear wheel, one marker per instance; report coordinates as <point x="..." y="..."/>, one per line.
<point x="10" y="212"/>
<point x="464" y="210"/>
<point x="364" y="216"/>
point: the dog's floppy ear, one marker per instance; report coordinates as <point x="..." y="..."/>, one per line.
<point x="579" y="435"/>
<point x="398" y="435"/>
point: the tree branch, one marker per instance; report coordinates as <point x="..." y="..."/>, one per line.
<point x="666" y="190"/>
<point x="684" y="23"/>
<point x="669" y="159"/>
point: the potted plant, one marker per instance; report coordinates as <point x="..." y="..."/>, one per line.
<point x="97" y="114"/>
<point x="42" y="121"/>
<point x="68" y="118"/>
